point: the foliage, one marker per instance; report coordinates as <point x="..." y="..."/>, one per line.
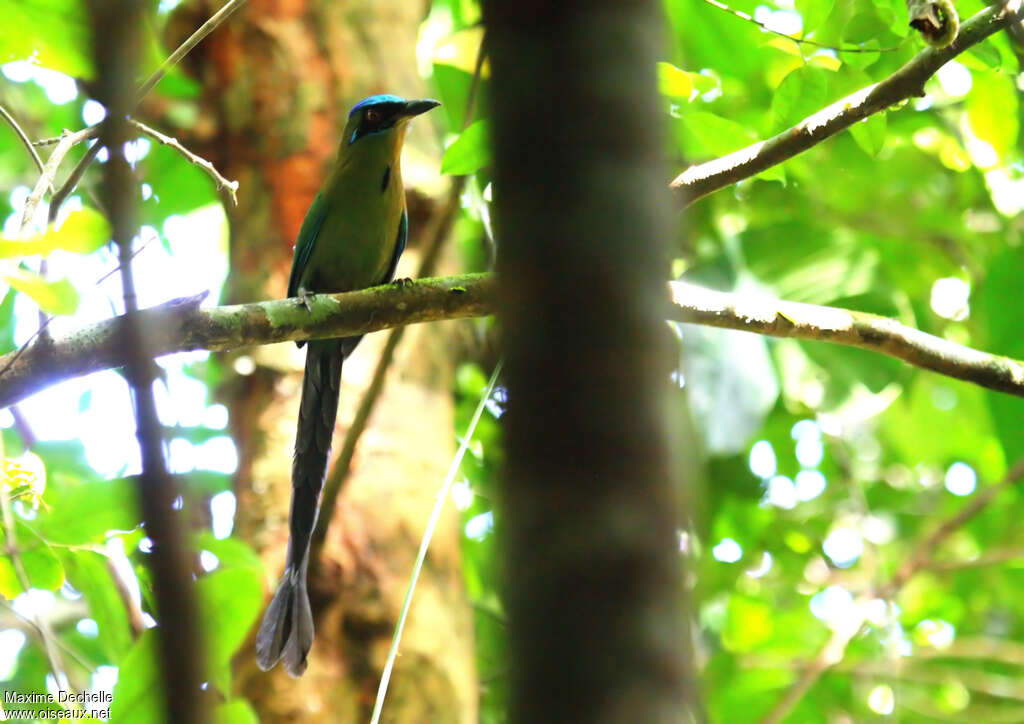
<point x="827" y="468"/>
<point x="74" y="526"/>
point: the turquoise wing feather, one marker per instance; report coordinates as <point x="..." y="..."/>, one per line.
<point x="403" y="236"/>
<point x="308" y="234"/>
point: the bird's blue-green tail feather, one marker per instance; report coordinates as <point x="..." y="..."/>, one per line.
<point x="287" y="629"/>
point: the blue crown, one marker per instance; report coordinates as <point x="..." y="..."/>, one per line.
<point x="374" y="100"/>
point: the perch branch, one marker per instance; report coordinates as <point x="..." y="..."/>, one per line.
<point x="180" y="326"/>
<point x="437" y="234"/>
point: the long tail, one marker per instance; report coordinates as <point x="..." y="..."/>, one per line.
<point x="287" y="629"/>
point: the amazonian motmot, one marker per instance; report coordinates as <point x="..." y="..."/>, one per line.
<point x="351" y="238"/>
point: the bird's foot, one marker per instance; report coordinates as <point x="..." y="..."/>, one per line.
<point x="304" y="298"/>
<point x="403" y="283"/>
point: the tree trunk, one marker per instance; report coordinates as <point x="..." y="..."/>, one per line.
<point x="597" y="616"/>
<point x="278" y="81"/>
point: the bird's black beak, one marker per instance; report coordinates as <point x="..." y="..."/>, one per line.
<point x="415" y="108"/>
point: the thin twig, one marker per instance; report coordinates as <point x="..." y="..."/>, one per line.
<point x="800" y="41"/>
<point x="428" y="534"/>
<point x="74" y="653"/>
<point x="20" y="133"/>
<point x="989" y="558"/>
<point x="215" y="21"/>
<point x="69" y="185"/>
<point x="229" y="187"/>
<point x="46" y="178"/>
<point x="925" y="551"/>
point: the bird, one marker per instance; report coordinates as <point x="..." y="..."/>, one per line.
<point x="351" y="238"/>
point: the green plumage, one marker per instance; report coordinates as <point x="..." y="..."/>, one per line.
<point x="351" y="238"/>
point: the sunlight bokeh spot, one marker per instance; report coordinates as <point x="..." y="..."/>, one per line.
<point x="882" y="700"/>
<point x="843" y="546"/>
<point x="222" y="512"/>
<point x="809" y="485"/>
<point x="834" y="605"/>
<point x="762" y="459"/>
<point x="781" y="492"/>
<point x="809" y="451"/>
<point x="961" y="479"/>
<point x="949" y="298"/>
<point x="727" y="551"/>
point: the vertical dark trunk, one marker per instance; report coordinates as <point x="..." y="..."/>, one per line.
<point x="597" y="615"/>
<point x="118" y="24"/>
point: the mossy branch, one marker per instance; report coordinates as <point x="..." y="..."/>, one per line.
<point x="182" y="326"/>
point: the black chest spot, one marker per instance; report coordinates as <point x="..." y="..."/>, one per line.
<point x="386" y="180"/>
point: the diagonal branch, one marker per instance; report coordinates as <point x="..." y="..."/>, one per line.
<point x="23" y="137"/>
<point x="180" y="326"/>
<point x="228" y="188"/>
<point x="706" y="178"/>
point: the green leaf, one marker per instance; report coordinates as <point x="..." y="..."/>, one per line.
<point x="814" y="12"/>
<point x="865" y="26"/>
<point x="10" y="586"/>
<point x="58" y="297"/>
<point x="470" y="152"/>
<point x="85" y="513"/>
<point x="748" y="625"/>
<point x="708" y="134"/>
<point x="453" y="86"/>
<point x="7" y="322"/>
<point x="674" y="82"/>
<point x="230" y="601"/>
<point x="870" y="133"/>
<point x="983" y="56"/>
<point x="235" y="711"/>
<point x="230" y="552"/>
<point x="992" y="111"/>
<point x="773" y="173"/>
<point x="55" y="33"/>
<point x="178" y="187"/>
<point x="863" y="60"/>
<point x="43" y="567"/>
<point x="84" y="231"/>
<point x="801" y="93"/>
<point x="89" y="573"/>
<point x="996" y="315"/>
<point x="40" y="563"/>
<point x="138" y="695"/>
<point x="941" y="420"/>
